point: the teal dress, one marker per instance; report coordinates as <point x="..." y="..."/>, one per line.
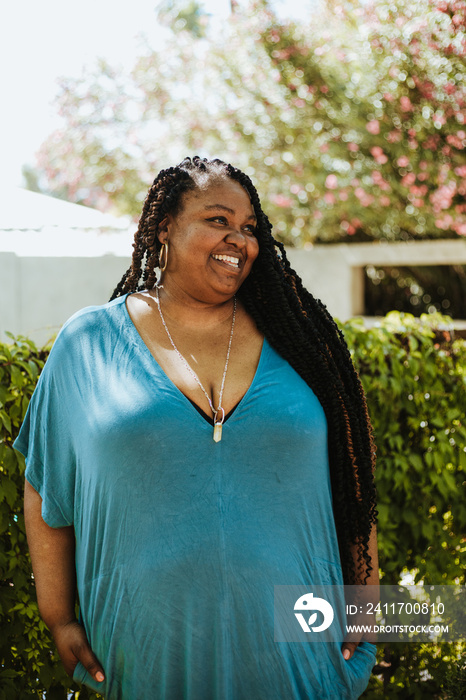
<point x="181" y="540"/>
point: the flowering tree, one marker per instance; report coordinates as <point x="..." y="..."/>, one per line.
<point x="352" y="125"/>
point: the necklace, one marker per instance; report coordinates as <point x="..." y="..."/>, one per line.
<point x="219" y="413"/>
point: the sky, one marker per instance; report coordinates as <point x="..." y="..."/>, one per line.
<point x="41" y="41"/>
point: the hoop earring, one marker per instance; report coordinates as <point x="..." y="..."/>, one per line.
<point x="163" y="255"/>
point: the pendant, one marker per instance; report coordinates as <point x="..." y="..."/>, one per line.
<point x="218" y="432"/>
<point x="218" y="424"/>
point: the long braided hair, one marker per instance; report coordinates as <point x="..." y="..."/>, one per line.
<point x="302" y="331"/>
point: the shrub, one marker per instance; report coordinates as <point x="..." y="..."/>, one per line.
<point x="29" y="665"/>
<point x="414" y="375"/>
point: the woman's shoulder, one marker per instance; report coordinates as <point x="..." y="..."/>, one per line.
<point x="94" y="315"/>
<point x="91" y="324"/>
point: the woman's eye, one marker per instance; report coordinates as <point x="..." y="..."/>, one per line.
<point x="250" y="228"/>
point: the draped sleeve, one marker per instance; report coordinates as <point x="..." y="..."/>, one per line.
<point x="46" y="438"/>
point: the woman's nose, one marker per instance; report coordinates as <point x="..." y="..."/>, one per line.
<point x="236" y="235"/>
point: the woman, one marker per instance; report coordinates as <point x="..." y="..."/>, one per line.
<point x="184" y="447"/>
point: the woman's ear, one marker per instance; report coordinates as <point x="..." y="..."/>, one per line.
<point x="162" y="234"/>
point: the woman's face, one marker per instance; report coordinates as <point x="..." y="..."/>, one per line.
<point x="211" y="242"/>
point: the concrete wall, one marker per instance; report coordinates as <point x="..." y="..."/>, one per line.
<point x="37" y="294"/>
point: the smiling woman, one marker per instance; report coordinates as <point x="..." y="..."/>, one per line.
<point x="171" y="533"/>
<point x="212" y="244"/>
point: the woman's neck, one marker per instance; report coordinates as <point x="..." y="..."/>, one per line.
<point x="188" y="311"/>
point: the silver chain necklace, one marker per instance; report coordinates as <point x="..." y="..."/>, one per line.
<point x="219" y="413"/>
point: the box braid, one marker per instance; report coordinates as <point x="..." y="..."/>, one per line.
<point x="302" y="331"/>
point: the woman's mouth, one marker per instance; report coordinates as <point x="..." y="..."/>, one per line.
<point x="230" y="260"/>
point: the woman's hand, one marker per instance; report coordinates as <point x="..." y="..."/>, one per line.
<point x="73" y="646"/>
<point x="362" y="621"/>
<point x="52" y="555"/>
<point x="348" y="649"/>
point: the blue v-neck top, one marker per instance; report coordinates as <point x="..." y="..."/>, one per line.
<point x="181" y="540"/>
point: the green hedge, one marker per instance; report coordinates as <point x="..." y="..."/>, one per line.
<point x="29" y="665"/>
<point x="414" y="376"/>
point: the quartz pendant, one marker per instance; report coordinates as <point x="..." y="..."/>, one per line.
<point x="217" y="432"/>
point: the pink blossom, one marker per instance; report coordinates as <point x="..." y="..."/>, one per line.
<point x="294" y="189"/>
<point x="317" y="214"/>
<point x="461" y="134"/>
<point x="364" y="197"/>
<point x="384" y="200"/>
<point x="405" y="104"/>
<point x="324" y="89"/>
<point x="394" y="136"/>
<point x="419" y="191"/>
<point x="443" y="196"/>
<point x="282" y="201"/>
<point x="408" y="179"/>
<point x="413" y="144"/>
<point x="349" y="228"/>
<point x="329" y="198"/>
<point x="353" y="147"/>
<point x="455" y="141"/>
<point x="461" y="171"/>
<point x="439" y="118"/>
<point x="379" y="155"/>
<point x="423" y="164"/>
<point x="431" y="142"/>
<point x="422" y="176"/>
<point x="343" y="195"/>
<point x="323" y="148"/>
<point x="403" y="161"/>
<point x="378" y="179"/>
<point x="388" y="96"/>
<point x="331" y="182"/>
<point x="445" y="222"/>
<point x="373" y="127"/>
<point x="418" y="203"/>
<point x="460" y="228"/>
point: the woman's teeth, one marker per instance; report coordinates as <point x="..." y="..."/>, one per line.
<point x="228" y="259"/>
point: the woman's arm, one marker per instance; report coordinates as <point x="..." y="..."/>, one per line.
<point x="52" y="556"/>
